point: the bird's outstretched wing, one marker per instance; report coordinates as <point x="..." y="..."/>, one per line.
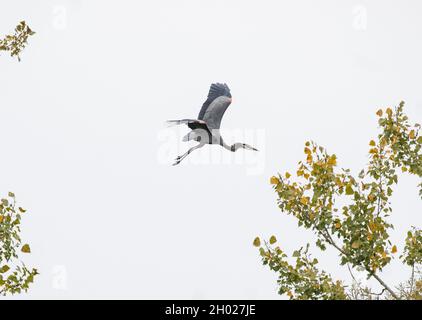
<point x="216" y="90"/>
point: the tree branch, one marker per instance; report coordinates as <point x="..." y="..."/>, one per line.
<point x="384" y="285"/>
<point x="330" y="240"/>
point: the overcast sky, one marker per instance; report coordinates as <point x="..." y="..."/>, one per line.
<point x="85" y="150"/>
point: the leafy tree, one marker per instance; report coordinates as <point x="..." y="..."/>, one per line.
<point x="16" y="42"/>
<point x="358" y="228"/>
<point x="15" y="277"/>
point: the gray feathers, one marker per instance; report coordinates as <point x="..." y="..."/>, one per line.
<point x="216" y="90"/>
<point x="215" y="111"/>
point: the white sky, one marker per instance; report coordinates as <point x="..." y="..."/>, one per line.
<point x="82" y="128"/>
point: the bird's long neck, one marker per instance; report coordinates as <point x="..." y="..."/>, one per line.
<point x="227" y="146"/>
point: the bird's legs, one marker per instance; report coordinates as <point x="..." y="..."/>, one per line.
<point x="183" y="156"/>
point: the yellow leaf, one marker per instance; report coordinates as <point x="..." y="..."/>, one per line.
<point x="309" y="158"/>
<point x="306" y="176"/>
<point x="403" y="169"/>
<point x="290" y="294"/>
<point x="304" y="200"/>
<point x="356" y="245"/>
<point x="412" y="134"/>
<point x="394" y="249"/>
<point x="384" y="254"/>
<point x="338" y="225"/>
<point x="369" y="237"/>
<point x="26" y="248"/>
<point x="332" y="161"/>
<point x="273" y="240"/>
<point x="288" y="175"/>
<point x="307" y="151"/>
<point x="389" y="112"/>
<point x="299" y="173"/>
<point x="372" y="143"/>
<point x="1" y="218"/>
<point x="373" y="151"/>
<point x="379" y="113"/>
<point x="339" y="183"/>
<point x="274" y="180"/>
<point x="257" y="242"/>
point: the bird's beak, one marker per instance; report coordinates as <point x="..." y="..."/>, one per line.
<point x="248" y="147"/>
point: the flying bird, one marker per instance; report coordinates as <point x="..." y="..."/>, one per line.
<point x="206" y="129"/>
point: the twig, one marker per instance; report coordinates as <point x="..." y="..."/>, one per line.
<point x="412" y="279"/>
<point x="351" y="273"/>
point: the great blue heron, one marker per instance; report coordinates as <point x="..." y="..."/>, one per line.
<point x="206" y="129"/>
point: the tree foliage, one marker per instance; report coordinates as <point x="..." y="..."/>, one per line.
<point x="15" y="43"/>
<point x="15" y="277"/>
<point x="350" y="213"/>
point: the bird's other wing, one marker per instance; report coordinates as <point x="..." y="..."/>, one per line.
<point x="191" y="123"/>
<point x="171" y="123"/>
<point x="216" y="90"/>
<point x="200" y="130"/>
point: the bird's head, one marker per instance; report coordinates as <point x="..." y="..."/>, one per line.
<point x="240" y="145"/>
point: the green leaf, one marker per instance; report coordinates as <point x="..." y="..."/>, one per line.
<point x="273" y="240"/>
<point x="4" y="269"/>
<point x="257" y="242"/>
<point x="349" y="189"/>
